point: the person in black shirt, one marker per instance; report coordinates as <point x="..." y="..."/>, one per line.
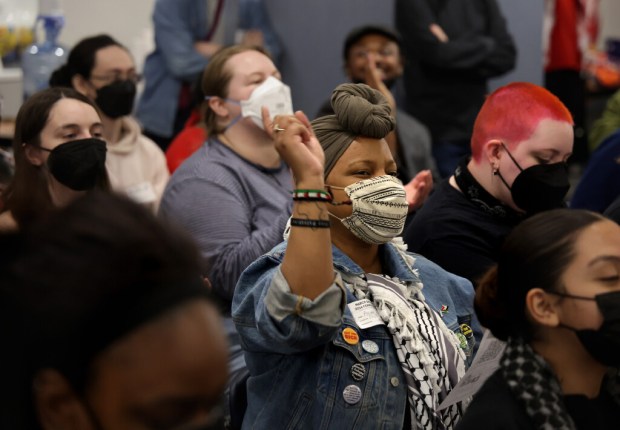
<point x="452" y="48"/>
<point x="522" y="138"/>
<point x="554" y="297"/>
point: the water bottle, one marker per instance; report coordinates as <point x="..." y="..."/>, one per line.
<point x="39" y="60"/>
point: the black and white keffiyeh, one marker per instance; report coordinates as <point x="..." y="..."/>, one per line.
<point x="428" y="351"/>
<point x="537" y="389"/>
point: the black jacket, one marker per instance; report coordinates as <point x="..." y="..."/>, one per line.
<point x="494" y="407"/>
<point x="446" y="82"/>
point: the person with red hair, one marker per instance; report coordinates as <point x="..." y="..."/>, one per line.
<point x="521" y="141"/>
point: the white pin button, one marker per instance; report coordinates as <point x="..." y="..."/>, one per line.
<point x="370" y="346"/>
<point x="394" y="381"/>
<point x="352" y="394"/>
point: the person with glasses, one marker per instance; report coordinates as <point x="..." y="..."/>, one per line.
<point x="102" y="69"/>
<point x="372" y="56"/>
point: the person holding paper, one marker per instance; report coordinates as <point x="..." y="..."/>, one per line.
<point x="341" y="327"/>
<point x="554" y="297"/>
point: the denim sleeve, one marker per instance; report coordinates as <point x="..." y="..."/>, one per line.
<point x="253" y="16"/>
<point x="270" y="318"/>
<point x="175" y="22"/>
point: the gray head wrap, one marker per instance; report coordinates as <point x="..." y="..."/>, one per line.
<point x="358" y="111"/>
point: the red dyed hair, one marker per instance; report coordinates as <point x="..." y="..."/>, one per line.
<point x="511" y="114"/>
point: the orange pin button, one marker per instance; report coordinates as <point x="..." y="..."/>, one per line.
<point x="350" y="336"/>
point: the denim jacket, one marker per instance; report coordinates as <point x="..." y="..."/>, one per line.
<point x="178" y="24"/>
<point x="302" y="368"/>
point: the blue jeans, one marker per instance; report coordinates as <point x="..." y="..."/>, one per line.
<point x="448" y="153"/>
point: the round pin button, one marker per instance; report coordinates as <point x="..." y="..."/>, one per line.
<point x="352" y="394"/>
<point x="358" y="371"/>
<point x="350" y="336"/>
<point x="370" y="346"/>
<point x="394" y="381"/>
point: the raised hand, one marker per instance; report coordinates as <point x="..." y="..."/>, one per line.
<point x="297" y="145"/>
<point x="374" y="79"/>
<point x="418" y="189"/>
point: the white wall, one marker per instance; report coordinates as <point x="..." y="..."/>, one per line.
<point x="128" y="21"/>
<point x="312" y="33"/>
<point x="610" y="21"/>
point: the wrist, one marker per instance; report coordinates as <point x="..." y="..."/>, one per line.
<point x="316" y="183"/>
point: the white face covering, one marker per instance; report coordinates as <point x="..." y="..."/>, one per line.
<point x="379" y="209"/>
<point x="272" y="93"/>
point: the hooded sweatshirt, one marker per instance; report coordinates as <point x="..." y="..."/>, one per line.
<point x="137" y="166"/>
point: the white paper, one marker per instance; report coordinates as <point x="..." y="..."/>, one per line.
<point x="142" y="193"/>
<point x="485" y="363"/>
<point x="365" y="314"/>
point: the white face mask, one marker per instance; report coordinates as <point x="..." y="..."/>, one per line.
<point x="272" y="93"/>
<point x="379" y="209"/>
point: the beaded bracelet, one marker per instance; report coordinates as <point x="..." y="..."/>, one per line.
<point x="311" y="195"/>
<point x="312" y="223"/>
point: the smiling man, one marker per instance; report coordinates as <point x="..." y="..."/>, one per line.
<point x="372" y="56"/>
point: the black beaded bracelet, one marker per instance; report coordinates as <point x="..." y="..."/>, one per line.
<point x="312" y="223"/>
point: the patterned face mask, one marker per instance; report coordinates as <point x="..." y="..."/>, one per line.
<point x="379" y="209"/>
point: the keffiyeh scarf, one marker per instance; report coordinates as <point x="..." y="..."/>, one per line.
<point x="428" y="351"/>
<point x="537" y="389"/>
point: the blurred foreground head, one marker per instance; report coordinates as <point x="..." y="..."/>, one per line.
<point x="109" y="323"/>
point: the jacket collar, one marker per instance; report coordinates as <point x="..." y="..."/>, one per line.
<point x="394" y="264"/>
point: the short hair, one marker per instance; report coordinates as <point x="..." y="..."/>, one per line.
<point x="80" y="280"/>
<point x="512" y="112"/>
<point x="216" y="78"/>
<point x="358" y="33"/>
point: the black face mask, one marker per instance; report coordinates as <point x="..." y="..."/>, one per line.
<point x="116" y="99"/>
<point x="540" y="187"/>
<point x="602" y="344"/>
<point x="78" y="164"/>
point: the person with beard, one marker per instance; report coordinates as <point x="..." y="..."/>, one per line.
<point x="59" y="156"/>
<point x="102" y="69"/>
<point x="554" y="297"/>
<point x="522" y="139"/>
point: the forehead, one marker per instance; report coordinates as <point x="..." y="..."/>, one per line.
<point x="191" y="353"/>
<point x="374" y="39"/>
<point x="550" y="134"/>
<point x="365" y="148"/>
<point x="249" y="62"/>
<point x="71" y="111"/>
<point x="600" y="238"/>
<point x="113" y="57"/>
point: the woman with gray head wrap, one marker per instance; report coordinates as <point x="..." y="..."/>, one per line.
<point x="359" y="111"/>
<point x="336" y="329"/>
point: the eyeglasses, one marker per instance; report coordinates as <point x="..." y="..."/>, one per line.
<point x="113" y="77"/>
<point x="359" y="53"/>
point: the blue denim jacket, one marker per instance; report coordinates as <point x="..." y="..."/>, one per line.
<point x="300" y="363"/>
<point x="178" y="24"/>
